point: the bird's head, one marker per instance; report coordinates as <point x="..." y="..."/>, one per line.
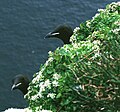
<point x="20" y="82"/>
<point x="63" y="32"/>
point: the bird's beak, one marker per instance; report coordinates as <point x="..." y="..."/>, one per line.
<point x="51" y="35"/>
<point x="15" y="86"/>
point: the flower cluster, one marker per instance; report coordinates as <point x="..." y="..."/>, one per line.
<point x="74" y="36"/>
<point x="56" y="76"/>
<point x="88" y="23"/>
<point x="45" y="86"/>
<point x="50" y="59"/>
<point x="96" y="15"/>
<point x="116" y="31"/>
<point x="113" y="7"/>
<point x="51" y="95"/>
<point x="38" y="77"/>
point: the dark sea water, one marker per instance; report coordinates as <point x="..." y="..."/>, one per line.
<point x="23" y="25"/>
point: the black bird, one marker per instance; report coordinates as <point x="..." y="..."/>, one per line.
<point x="63" y="32"/>
<point x="20" y="82"/>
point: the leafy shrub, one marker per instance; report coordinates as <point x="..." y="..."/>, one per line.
<point x="83" y="76"/>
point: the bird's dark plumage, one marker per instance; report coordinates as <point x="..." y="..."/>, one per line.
<point x="20" y="82"/>
<point x="63" y="32"/>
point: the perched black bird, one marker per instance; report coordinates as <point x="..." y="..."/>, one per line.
<point x="20" y="82"/>
<point x="63" y="32"/>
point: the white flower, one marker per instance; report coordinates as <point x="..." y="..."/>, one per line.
<point x="72" y="38"/>
<point x="56" y="76"/>
<point x="111" y="57"/>
<point x="76" y="29"/>
<point x="47" y="83"/>
<point x="118" y="3"/>
<point x="95" y="16"/>
<point x="113" y="6"/>
<point x="38" y="77"/>
<point x="42" y="87"/>
<point x="117" y="23"/>
<point x="88" y="24"/>
<point x="95" y="33"/>
<point x="76" y="45"/>
<point x="50" y="52"/>
<point x="97" y="54"/>
<point x="40" y="94"/>
<point x="34" y="97"/>
<point x="55" y="83"/>
<point x="48" y="61"/>
<point x="116" y="31"/>
<point x="96" y="42"/>
<point x="101" y="10"/>
<point x="51" y="95"/>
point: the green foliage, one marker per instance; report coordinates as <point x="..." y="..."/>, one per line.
<point x="83" y="76"/>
